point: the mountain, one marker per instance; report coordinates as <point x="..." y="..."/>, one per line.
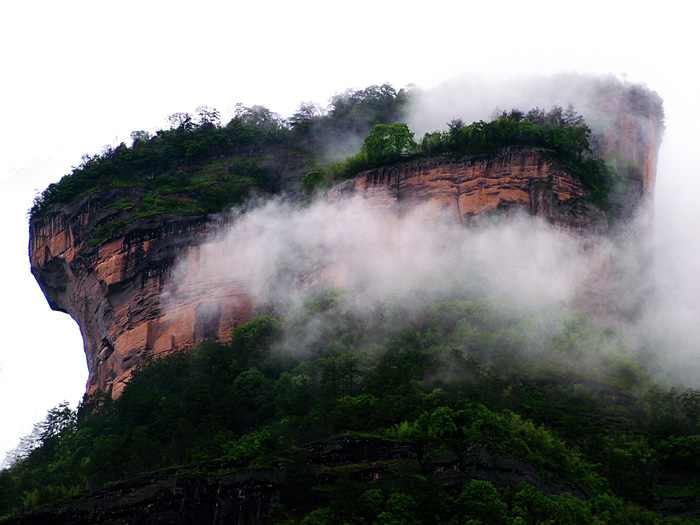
<point x="98" y="260"/>
<point x="321" y="320"/>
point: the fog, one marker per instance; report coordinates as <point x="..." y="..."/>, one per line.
<point x="283" y="254"/>
<point x="281" y="251"/>
<point x="84" y="74"/>
<point x="381" y="256"/>
<point x="474" y="98"/>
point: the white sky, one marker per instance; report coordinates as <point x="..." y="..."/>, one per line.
<point x="77" y="75"/>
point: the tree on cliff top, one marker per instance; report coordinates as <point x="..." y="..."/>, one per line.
<point x="388" y="142"/>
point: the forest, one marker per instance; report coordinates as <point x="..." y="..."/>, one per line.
<point x="199" y="166"/>
<point x="607" y="444"/>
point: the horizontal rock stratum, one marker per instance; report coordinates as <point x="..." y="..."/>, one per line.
<point x="113" y="288"/>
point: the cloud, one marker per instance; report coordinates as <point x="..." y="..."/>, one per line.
<point x="282" y="254"/>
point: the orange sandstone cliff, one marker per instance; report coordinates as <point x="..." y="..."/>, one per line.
<point x="515" y="181"/>
<point x="113" y="288"/>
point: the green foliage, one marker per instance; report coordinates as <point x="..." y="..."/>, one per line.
<point x="312" y="181"/>
<point x="562" y="135"/>
<point x="252" y="340"/>
<point x="439" y="379"/>
<point x="400" y="509"/>
<point x="180" y="167"/>
<point x="359" y="110"/>
<point x="256" y="445"/>
<point x="532" y="506"/>
<point x="479" y="500"/>
<point x="406" y="430"/>
<point x="45" y="495"/>
<point x="680" y="452"/>
<point x="177" y="163"/>
<point x="387" y="143"/>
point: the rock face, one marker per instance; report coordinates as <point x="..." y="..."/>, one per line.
<point x="113" y="289"/>
<point x="214" y="492"/>
<point x="109" y="273"/>
<point x="515" y="181"/>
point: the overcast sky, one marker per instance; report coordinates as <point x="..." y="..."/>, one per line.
<point x="77" y="75"/>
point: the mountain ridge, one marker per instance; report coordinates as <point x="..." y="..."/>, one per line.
<point x="456" y="400"/>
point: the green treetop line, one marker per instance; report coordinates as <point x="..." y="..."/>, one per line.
<point x="199" y="166"/>
<point x="562" y="135"/>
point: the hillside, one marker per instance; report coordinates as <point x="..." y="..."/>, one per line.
<point x="401" y="412"/>
<point x="104" y="240"/>
<point x="424" y="331"/>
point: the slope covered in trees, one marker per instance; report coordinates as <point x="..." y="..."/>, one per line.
<point x="199" y="166"/>
<point x="604" y="445"/>
<point x="455" y="381"/>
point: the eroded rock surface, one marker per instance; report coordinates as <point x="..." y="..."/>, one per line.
<point x="218" y="492"/>
<point x="516" y="181"/>
<point x="110" y="276"/>
<point x="113" y="289"/>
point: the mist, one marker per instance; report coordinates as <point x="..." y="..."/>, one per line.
<point x="283" y="255"/>
<point x="656" y="255"/>
<point x="380" y="255"/>
<point x="473" y="98"/>
<point x="383" y="257"/>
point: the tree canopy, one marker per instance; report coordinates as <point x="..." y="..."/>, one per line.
<point x="407" y="377"/>
<point x="386" y="143"/>
<point x="200" y="166"/>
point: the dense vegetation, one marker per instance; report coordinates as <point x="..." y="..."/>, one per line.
<point x="178" y="168"/>
<point x="456" y="372"/>
<point x="200" y="166"/>
<point x="562" y="135"/>
<point x="575" y="404"/>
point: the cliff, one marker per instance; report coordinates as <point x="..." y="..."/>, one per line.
<point x="362" y="412"/>
<point x="515" y="181"/>
<point x="113" y="288"/>
<point x="221" y="492"/>
<point x="96" y="260"/>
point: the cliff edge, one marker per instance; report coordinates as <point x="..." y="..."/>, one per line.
<point x="108" y="269"/>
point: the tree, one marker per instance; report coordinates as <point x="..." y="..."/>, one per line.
<point x="304" y="117"/>
<point x="259" y="117"/>
<point x="252" y="341"/>
<point x="399" y="509"/>
<point x="481" y="501"/>
<point x="455" y="125"/>
<point x="388" y="142"/>
<point x="571" y="118"/>
<point x="338" y="376"/>
<point x="208" y="115"/>
<point x="139" y="136"/>
<point x="359" y="110"/>
<point x="181" y="121"/>
<point x="60" y="419"/>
